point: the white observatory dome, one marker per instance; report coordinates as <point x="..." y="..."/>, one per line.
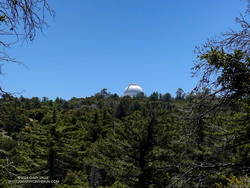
<point x="133" y="90"/>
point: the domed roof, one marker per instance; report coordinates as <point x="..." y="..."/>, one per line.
<point x="133" y="90"/>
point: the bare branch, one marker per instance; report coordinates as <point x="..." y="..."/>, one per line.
<point x="21" y="20"/>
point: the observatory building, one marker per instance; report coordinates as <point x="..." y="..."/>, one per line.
<point x="133" y="90"/>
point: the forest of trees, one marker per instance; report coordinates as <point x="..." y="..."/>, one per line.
<point x="195" y="139"/>
<point x="200" y="140"/>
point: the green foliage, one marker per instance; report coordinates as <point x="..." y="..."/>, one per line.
<point x="228" y="73"/>
<point x="138" y="151"/>
<point x="233" y="181"/>
<point x="180" y="94"/>
<point x="166" y="97"/>
<point x="118" y="184"/>
<point x="75" y="179"/>
<point x="154" y="96"/>
<point x="123" y="142"/>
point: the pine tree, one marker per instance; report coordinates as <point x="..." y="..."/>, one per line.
<point x="139" y="151"/>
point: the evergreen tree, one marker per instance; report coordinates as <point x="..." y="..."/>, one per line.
<point x="139" y="151"/>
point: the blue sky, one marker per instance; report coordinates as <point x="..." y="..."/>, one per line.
<point x="95" y="44"/>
